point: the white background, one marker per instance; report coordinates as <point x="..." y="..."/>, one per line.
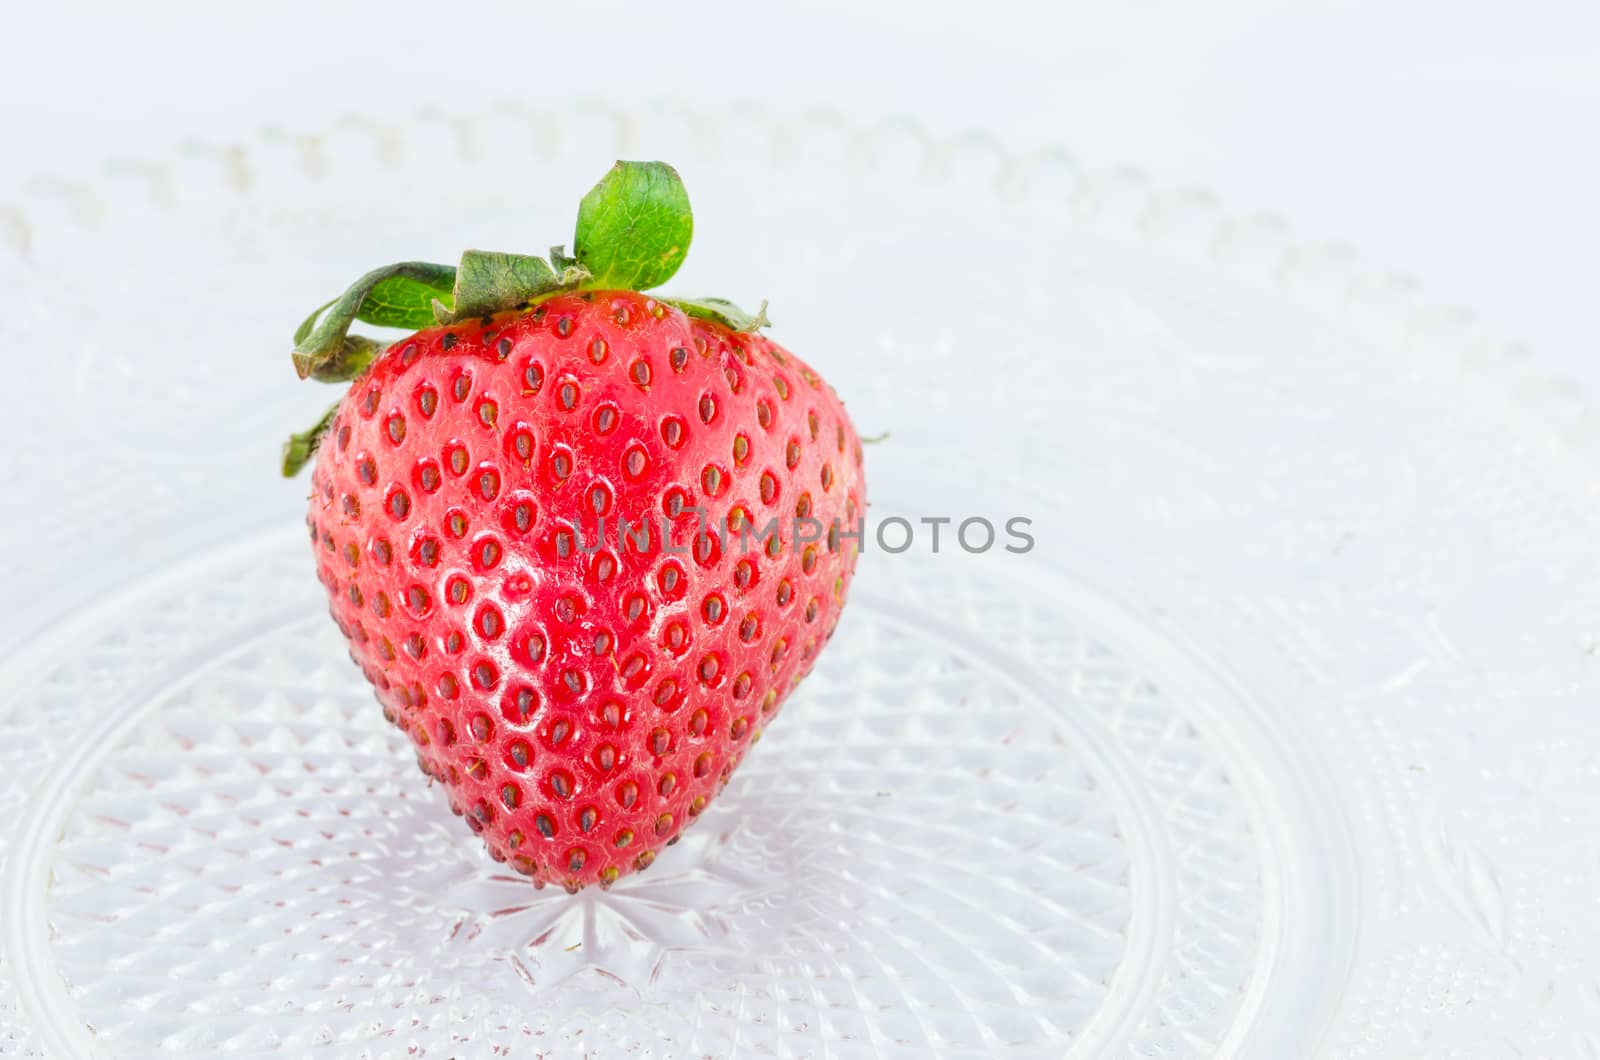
<point x="1453" y="140"/>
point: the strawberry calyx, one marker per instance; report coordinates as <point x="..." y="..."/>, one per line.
<point x="298" y="450"/>
<point x="724" y="312"/>
<point x="633" y="233"/>
<point x="399" y="295"/>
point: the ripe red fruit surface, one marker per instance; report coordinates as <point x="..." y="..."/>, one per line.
<point x="582" y="698"/>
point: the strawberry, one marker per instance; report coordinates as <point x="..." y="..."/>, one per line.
<point x="581" y="687"/>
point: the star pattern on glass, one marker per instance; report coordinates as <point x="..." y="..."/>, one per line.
<point x="690" y="899"/>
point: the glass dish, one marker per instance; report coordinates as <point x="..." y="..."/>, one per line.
<point x="1278" y="742"/>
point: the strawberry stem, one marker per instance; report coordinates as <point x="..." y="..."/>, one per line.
<point x="633" y="232"/>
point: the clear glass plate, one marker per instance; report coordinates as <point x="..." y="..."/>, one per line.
<point x="1278" y="743"/>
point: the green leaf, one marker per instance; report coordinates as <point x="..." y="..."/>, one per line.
<point x="389" y="296"/>
<point x="352" y="358"/>
<point x="723" y="312"/>
<point x="300" y="448"/>
<point x="634" y="227"/>
<point x="303" y="332"/>
<point x="406" y="301"/>
<point x="487" y="282"/>
<point x="561" y="259"/>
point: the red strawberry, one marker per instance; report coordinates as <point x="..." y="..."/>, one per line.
<point x="581" y="698"/>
